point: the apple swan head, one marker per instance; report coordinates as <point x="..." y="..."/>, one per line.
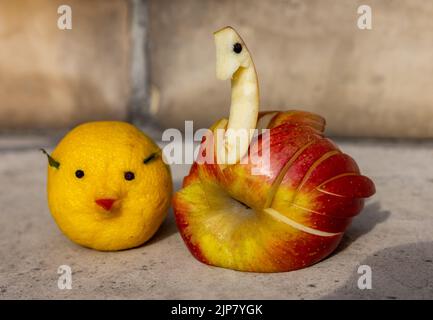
<point x="231" y="53"/>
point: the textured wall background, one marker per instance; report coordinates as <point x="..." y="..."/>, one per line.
<point x="310" y="55"/>
<point x="52" y="78"/>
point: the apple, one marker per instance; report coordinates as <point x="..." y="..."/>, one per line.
<point x="289" y="214"/>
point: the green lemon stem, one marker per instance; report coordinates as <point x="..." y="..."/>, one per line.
<point x="51" y="161"/>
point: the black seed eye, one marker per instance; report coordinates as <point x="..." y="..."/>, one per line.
<point x="237" y="47"/>
<point x="150" y="158"/>
<point x="129" y="176"/>
<point x="79" y="174"/>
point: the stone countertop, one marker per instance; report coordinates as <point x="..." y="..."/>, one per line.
<point x="393" y="235"/>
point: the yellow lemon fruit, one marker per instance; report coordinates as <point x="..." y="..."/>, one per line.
<point x="108" y="187"/>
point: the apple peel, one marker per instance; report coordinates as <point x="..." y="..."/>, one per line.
<point x="274" y="213"/>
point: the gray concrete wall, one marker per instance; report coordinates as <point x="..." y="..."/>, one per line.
<point x="310" y="55"/>
<point x="56" y="78"/>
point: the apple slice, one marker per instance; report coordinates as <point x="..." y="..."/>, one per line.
<point x="233" y="61"/>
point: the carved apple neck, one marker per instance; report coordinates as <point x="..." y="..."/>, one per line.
<point x="234" y="62"/>
<point x="244" y="102"/>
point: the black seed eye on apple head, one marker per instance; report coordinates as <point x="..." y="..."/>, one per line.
<point x="129" y="176"/>
<point x="79" y="174"/>
<point x="237" y="47"/>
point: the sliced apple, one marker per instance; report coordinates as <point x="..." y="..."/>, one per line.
<point x="285" y="215"/>
<point x="286" y="218"/>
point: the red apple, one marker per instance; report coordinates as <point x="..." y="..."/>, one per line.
<point x="291" y="217"/>
<point x="282" y="216"/>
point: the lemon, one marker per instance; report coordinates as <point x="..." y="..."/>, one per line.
<point x="108" y="187"/>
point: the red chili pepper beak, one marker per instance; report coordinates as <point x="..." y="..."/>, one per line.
<point x="107" y="204"/>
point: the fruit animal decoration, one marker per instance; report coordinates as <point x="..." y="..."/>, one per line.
<point x="108" y="188"/>
<point x="289" y="214"/>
